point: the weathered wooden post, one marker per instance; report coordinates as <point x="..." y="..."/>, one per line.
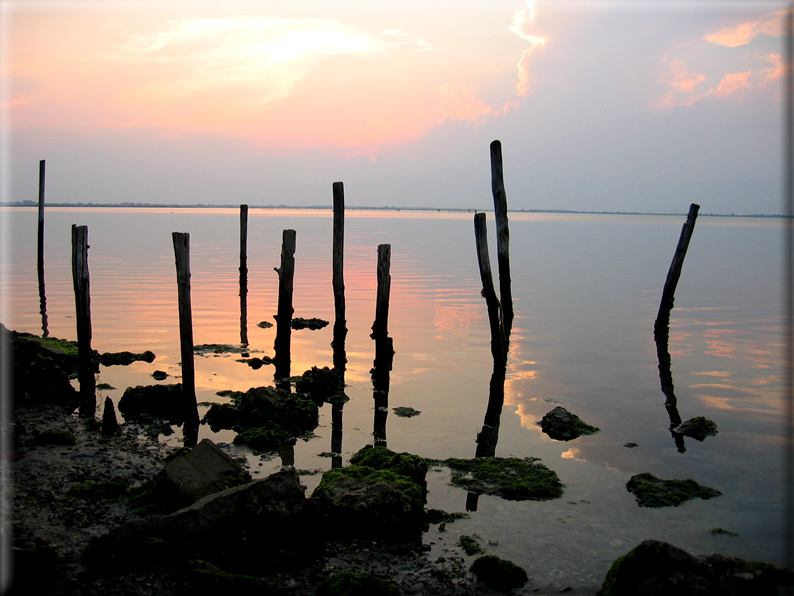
<point x="244" y="275"/>
<point x="82" y="300"/>
<point x="40" y="255"/>
<point x="502" y="236"/>
<point x="340" y="323"/>
<point x="190" y="407"/>
<point x="674" y="273"/>
<point x="286" y="273"/>
<point x="381" y="324"/>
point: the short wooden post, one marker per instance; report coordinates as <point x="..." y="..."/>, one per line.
<point x="498" y="339"/>
<point x="286" y="273"/>
<point x="182" y="257"/>
<point x="502" y="236"/>
<point x="340" y="324"/>
<point x="674" y="273"/>
<point x="82" y="300"/>
<point x="244" y="275"/>
<point x="40" y="255"/>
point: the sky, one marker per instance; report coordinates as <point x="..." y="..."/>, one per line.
<point x="599" y="106"/>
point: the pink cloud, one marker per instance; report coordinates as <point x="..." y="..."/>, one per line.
<point x="461" y="103"/>
<point x="744" y="33"/>
<point x="778" y="69"/>
<point x="679" y="77"/>
<point x="732" y="83"/>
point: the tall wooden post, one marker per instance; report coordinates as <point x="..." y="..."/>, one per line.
<point x="502" y="236"/>
<point x="182" y="257"/>
<point x="40" y="255"/>
<point x="381" y="324"/>
<point x="82" y="301"/>
<point x="244" y="275"/>
<point x="340" y="324"/>
<point x="674" y="273"/>
<point x="286" y="273"/>
<point x="384" y="350"/>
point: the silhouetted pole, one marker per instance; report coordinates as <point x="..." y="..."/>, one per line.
<point x="286" y="273"/>
<point x="244" y="274"/>
<point x="498" y="337"/>
<point x="384" y="348"/>
<point x="674" y="273"/>
<point x="502" y="236"/>
<point x="40" y="259"/>
<point x="182" y="258"/>
<point x="381" y="324"/>
<point x="340" y="323"/>
<point x="82" y="301"/>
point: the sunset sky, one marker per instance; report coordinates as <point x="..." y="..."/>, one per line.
<point x="619" y="106"/>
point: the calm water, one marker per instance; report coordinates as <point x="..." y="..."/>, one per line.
<point x="586" y="291"/>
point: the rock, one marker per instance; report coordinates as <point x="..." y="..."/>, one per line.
<point x="698" y="428"/>
<point x="511" y="478"/>
<point x="204" y="470"/>
<point x="561" y="425"/>
<point x="125" y="358"/>
<point x="651" y="491"/>
<point x="499" y="573"/>
<point x="470" y="545"/>
<point x="654" y="568"/>
<point x="264" y="325"/>
<point x="349" y="583"/>
<point x="145" y="403"/>
<point x="405" y="412"/>
<point x="319" y="383"/>
<point x="53" y="437"/>
<point x="255" y="523"/>
<point x="312" y="324"/>
<point x="160" y="375"/>
<point x="110" y="425"/>
<point x="382" y="495"/>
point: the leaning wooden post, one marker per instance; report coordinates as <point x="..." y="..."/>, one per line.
<point x="502" y="236"/>
<point x="244" y="274"/>
<point x="498" y="339"/>
<point x="286" y="273"/>
<point x="82" y="300"/>
<point x="340" y="324"/>
<point x="182" y="257"/>
<point x="40" y="259"/>
<point x="674" y="273"/>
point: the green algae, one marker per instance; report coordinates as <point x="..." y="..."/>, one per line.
<point x="381" y="458"/>
<point x="204" y="349"/>
<point x="650" y="491"/>
<point x="511" y="478"/>
<point x="53" y="437"/>
<point x="630" y="445"/>
<point x="99" y="491"/>
<point x="104" y="387"/>
<point x="64" y="345"/>
<point x="264" y="325"/>
<point x="470" y="545"/>
<point x="350" y="583"/>
<point x="499" y="573"/>
<point x="718" y="531"/>
<point x="405" y="412"/>
<point x="263" y="438"/>
<point x="413" y="492"/>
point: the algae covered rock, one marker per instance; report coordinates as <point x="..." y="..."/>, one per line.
<point x="651" y="491"/>
<point x="561" y="425"/>
<point x="511" y="478"/>
<point x="381" y="495"/>
<point x="319" y="383"/>
<point x="697" y="428"/>
<point x="654" y="568"/>
<point x="146" y="403"/>
<point x="499" y="573"/>
<point x="349" y="583"/>
<point x="313" y="324"/>
<point x="264" y="417"/>
<point x="125" y="358"/>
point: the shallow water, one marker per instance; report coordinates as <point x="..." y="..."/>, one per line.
<point x="586" y="290"/>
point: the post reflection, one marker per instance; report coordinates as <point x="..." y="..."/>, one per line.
<point x="340" y="366"/>
<point x="661" y="335"/>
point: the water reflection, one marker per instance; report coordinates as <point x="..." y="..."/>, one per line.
<point x="340" y="366"/>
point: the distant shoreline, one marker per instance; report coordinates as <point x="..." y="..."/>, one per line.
<point x="34" y="204"/>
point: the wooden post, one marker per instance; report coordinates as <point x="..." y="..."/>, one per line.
<point x="286" y="273"/>
<point x="82" y="300"/>
<point x="674" y="273"/>
<point x="498" y="339"/>
<point x="381" y="324"/>
<point x="182" y="257"/>
<point x="40" y="256"/>
<point x="244" y="275"/>
<point x="340" y="324"/>
<point x="502" y="236"/>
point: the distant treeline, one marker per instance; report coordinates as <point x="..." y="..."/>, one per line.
<point x="365" y="208"/>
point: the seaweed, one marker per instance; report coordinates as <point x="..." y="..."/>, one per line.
<point x="511" y="478"/>
<point x="650" y="491"/>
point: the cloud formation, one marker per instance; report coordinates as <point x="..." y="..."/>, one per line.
<point x="521" y="22"/>
<point x="461" y="103"/>
<point x="744" y="33"/>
